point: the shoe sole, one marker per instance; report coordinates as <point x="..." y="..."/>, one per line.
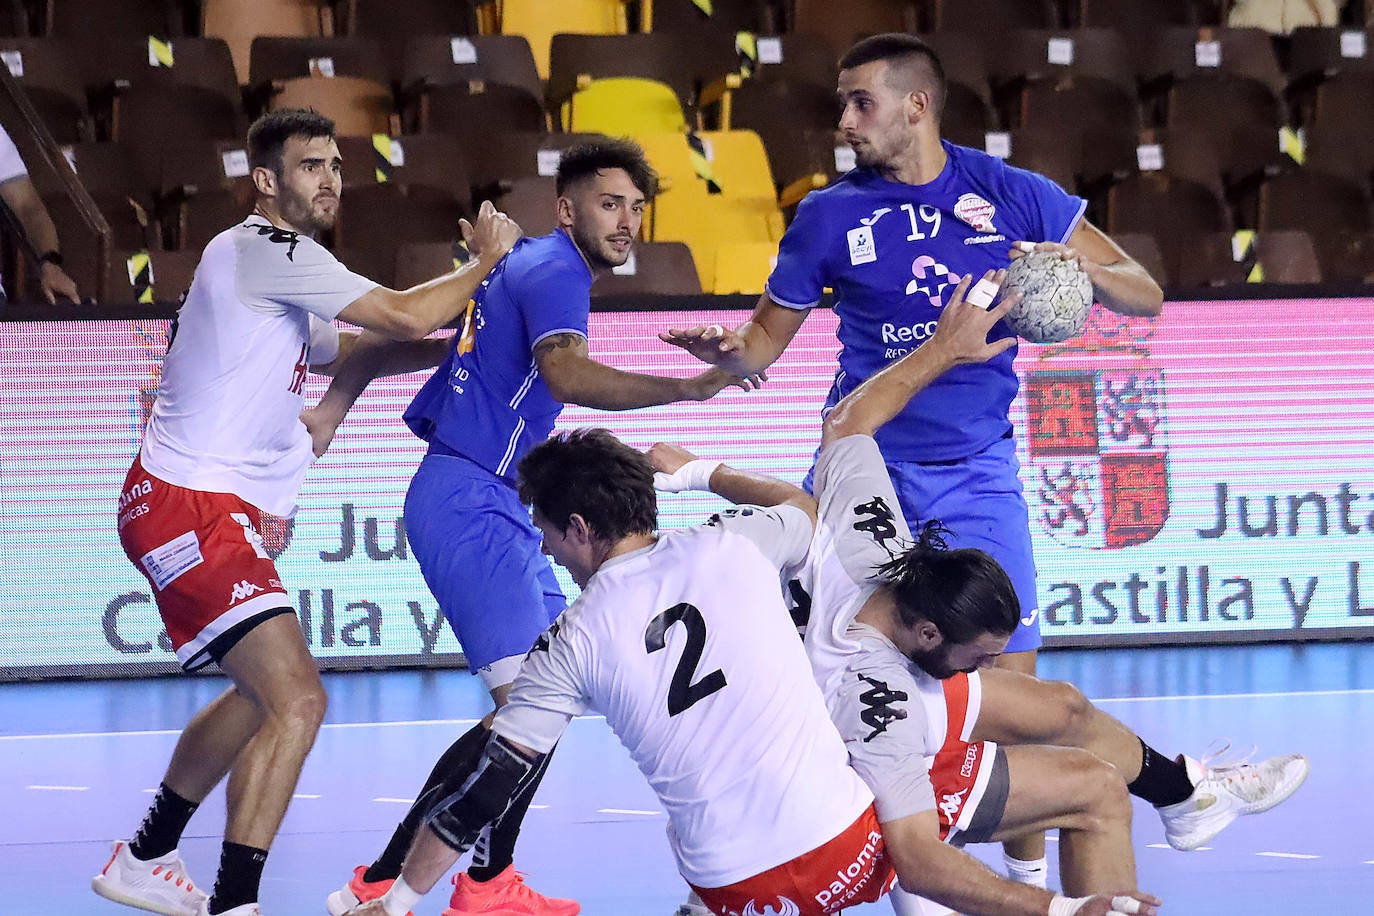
<point x="110" y="892"/>
<point x="1205" y="838"/>
<point x="1283" y="795"/>
<point x="341" y="901"/>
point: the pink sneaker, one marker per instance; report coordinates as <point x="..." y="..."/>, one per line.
<point x="356" y="892"/>
<point x="505" y="895"/>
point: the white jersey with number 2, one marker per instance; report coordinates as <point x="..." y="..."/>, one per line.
<point x="687" y="648"/>
<point x="227" y="416"/>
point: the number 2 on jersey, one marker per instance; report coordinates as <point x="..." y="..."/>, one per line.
<point x="682" y="693"/>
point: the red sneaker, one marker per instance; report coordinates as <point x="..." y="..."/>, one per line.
<point x="505" y="895"/>
<point x="357" y="891"/>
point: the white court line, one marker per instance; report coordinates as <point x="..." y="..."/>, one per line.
<point x="1286" y="855"/>
<point x="538" y="807"/>
<point x="1167" y="846"/>
<point x="433" y="722"/>
<point x="60" y="788"/>
<point x="395" y="801"/>
<point x="303" y="795"/>
<point x="628" y="811"/>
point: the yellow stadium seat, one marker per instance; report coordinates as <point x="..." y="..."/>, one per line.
<point x="744" y="267"/>
<point x="623" y="105"/>
<point x="540" y="20"/>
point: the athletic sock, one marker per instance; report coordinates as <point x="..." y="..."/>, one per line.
<point x="449" y="773"/>
<point x="163" y="825"/>
<point x="495" y="848"/>
<point x="1035" y="872"/>
<point x="240" y="874"/>
<point x="1162" y="781"/>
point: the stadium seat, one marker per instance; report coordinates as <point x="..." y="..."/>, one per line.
<point x="48" y="72"/>
<point x="291" y="57"/>
<point x="1169" y="209"/>
<point x="1288" y="256"/>
<point x="1318" y="53"/>
<point x="426" y="165"/>
<point x="967" y="61"/>
<point x="799" y="57"/>
<point x="356" y="105"/>
<point x="540" y="20"/>
<point x="1179" y="53"/>
<point x="503" y="158"/>
<point x="1240" y="117"/>
<point x="91" y="23"/>
<point x="203" y="189"/>
<point x="842" y="24"/>
<point x="375" y="260"/>
<point x="430" y="61"/>
<point x="477" y="110"/>
<point x="1098" y="117"/>
<point x="1208" y="259"/>
<point x="1043" y="149"/>
<point x="622" y="106"/>
<point x="389" y="214"/>
<point x="1313" y="201"/>
<point x="743" y="267"/>
<point x="1144" y="249"/>
<point x="118" y="183"/>
<point x="655" y="268"/>
<point x="1344" y="148"/>
<point x="1346" y="255"/>
<point x="394" y="25"/>
<point x="417" y="262"/>
<point x="14" y="19"/>
<point x="1135" y="17"/>
<point x="1057" y="56"/>
<point x="143" y="277"/>
<point x="992" y="15"/>
<point x="238" y="22"/>
<point x="1182" y="154"/>
<point x="531" y="203"/>
<point x="796" y="122"/>
<point x="684" y="17"/>
<point x="1345" y="98"/>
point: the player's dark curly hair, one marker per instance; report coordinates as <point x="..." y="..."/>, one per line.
<point x="963" y="591"/>
<point x="269" y="134"/>
<point x="584" y="160"/>
<point x="591" y="473"/>
<point x="905" y="51"/>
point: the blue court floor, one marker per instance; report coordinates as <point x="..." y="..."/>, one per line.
<point x="79" y="759"/>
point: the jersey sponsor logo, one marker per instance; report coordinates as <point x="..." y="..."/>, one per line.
<point x="880" y="706"/>
<point x="785" y="908"/>
<point x="951" y="803"/>
<point x="244" y="589"/>
<point x="931" y="279"/>
<point x="976" y="212"/>
<point x="861" y="247"/>
<point x="137" y="491"/>
<point x="970" y="761"/>
<point x="853" y="878"/>
<point x="1097" y="441"/>
<point x="281" y="237"/>
<point x="984" y="239"/>
<point x="165" y="563"/>
<point x="876" y="519"/>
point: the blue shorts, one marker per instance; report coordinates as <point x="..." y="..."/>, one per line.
<point x="979" y="498"/>
<point x="481" y="557"/>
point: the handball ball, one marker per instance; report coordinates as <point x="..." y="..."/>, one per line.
<point x="1056" y="296"/>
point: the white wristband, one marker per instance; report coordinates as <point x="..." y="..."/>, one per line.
<point x="401" y="899"/>
<point x="1066" y="906"/>
<point x="694" y="475"/>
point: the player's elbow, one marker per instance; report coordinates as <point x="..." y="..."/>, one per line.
<point x="840" y="422"/>
<point x="400" y="322"/>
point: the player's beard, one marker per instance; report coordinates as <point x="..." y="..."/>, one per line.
<point x="934" y="662"/>
<point x="594" y="249"/>
<point x="306" y="215"/>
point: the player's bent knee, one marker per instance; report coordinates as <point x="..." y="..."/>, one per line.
<point x="485" y="796"/>
<point x="1074" y="708"/>
<point x="1106" y="799"/>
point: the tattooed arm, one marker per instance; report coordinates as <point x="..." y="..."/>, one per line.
<point x="574" y="377"/>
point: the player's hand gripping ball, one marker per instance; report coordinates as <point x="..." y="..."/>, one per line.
<point x="1056" y="296"/>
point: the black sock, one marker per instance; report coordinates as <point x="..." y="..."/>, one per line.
<point x="162" y="826"/>
<point x="1161" y="781"/>
<point x="240" y="873"/>
<point x="495" y="849"/>
<point x="447" y="777"/>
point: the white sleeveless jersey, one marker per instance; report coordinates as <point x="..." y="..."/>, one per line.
<point x="258" y="313"/>
<point x="687" y="648"/>
<point x="859" y="527"/>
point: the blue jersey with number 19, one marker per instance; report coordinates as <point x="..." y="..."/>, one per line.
<point x="487" y="402"/>
<point x="893" y="254"/>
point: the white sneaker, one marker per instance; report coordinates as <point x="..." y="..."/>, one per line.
<point x="158" y="885"/>
<point x="1225" y="791"/>
<point x="243" y="909"/>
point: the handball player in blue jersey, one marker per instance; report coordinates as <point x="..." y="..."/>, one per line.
<point x="520" y="356"/>
<point x="892" y="239"/>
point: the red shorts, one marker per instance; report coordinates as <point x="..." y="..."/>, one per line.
<point x="204" y="557"/>
<point x="851" y="869"/>
<point x="963" y="771"/>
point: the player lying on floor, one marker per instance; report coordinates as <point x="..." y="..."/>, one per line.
<point x="897" y="633"/>
<point x="728" y="725"/>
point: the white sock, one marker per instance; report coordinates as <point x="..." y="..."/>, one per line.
<point x="401" y="899"/>
<point x="1035" y="872"/>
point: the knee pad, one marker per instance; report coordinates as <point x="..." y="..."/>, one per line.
<point x="458" y="819"/>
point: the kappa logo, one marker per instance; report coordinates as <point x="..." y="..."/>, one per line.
<point x="877" y="520"/>
<point x="879" y="709"/>
<point x="244" y="589"/>
<point x="951" y="803"/>
<point x="785" y="908"/>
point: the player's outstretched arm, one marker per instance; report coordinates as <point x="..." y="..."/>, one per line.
<point x="1119" y="281"/>
<point x="419" y="311"/>
<point x="362" y="358"/>
<point x="932" y="869"/>
<point x="676" y="470"/>
<point x="960" y="337"/>
<point x="574" y="377"/>
<point x="747" y="350"/>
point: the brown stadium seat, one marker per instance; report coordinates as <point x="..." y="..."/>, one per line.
<point x="426" y="165"/>
<point x="1168" y="209"/>
<point x="142" y="277"/>
<point x="684" y="17"/>
<point x="657" y="268"/>
<point x="93" y="22"/>
<point x="1319" y="52"/>
<point x="1144" y="249"/>
<point x="370" y="213"/>
<point x="1239" y="117"/>
<point x="1335" y="212"/>
<point x="394" y="25"/>
<point x="990" y="15"/>
<point x="476" y="111"/>
<point x="842" y="24"/>
<point x="1098" y="117"/>
<point x="1058" y="56"/>
<point x="1043" y="149"/>
<point x="356" y="105"/>
<point x="1343" y="148"/>
<point x="967" y="59"/>
<point x="1346" y="255"/>
<point x="431" y="61"/>
<point x="796" y="122"/>
<point x="417" y="262"/>
<point x="1288" y="256"/>
<point x="47" y="70"/>
<point x="203" y="189"/>
<point x="1345" y="98"/>
<point x="530" y="202"/>
<point x="1208" y="259"/>
<point x="282" y="58"/>
<point x="1185" y="154"/>
<point x="238" y="22"/>
<point x="1173" y="54"/>
<point x="375" y="260"/>
<point x="14" y="18"/>
<point x="1134" y="17"/>
<point x="503" y="158"/>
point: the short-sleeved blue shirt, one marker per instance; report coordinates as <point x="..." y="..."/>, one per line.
<point x="487" y="402"/>
<point x="893" y="254"/>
